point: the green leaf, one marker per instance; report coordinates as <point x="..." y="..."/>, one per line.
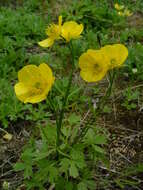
<point x="98" y="149"/>
<point x="74" y="119"/>
<point x="133" y="105"/>
<point x="73" y="170"/>
<point x="66" y="131"/>
<point x="64" y="165"/>
<point x="100" y="139"/>
<point x="49" y="132"/>
<point x="90" y="137"/>
<point x="91" y="184"/>
<point x="27" y="155"/>
<point x="41" y="155"/>
<point x="53" y="174"/>
<point x="28" y="171"/>
<point x="78" y="157"/>
<point x="19" y="166"/>
<point x="69" y="186"/>
<point x="82" y="186"/>
<point x="60" y="183"/>
<point x="74" y="133"/>
<point x="107" y="109"/>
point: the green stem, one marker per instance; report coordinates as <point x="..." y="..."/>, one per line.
<point x="59" y="124"/>
<point x="109" y="90"/>
<point x="111" y="79"/>
<point x="65" y="155"/>
<point x="53" y="108"/>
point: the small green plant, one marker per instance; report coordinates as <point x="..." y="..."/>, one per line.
<point x="74" y="166"/>
<point x="68" y="147"/>
<point x="67" y="152"/>
<point x="130" y="99"/>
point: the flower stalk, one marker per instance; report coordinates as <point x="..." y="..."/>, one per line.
<point x="112" y="75"/>
<point x="60" y="120"/>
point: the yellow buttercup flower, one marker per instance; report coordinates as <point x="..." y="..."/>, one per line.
<point x="93" y="65"/>
<point x="118" y="7"/>
<point x="71" y="30"/>
<point x="120" y="13"/>
<point x="53" y="31"/>
<point x="127" y="12"/>
<point x="34" y="83"/>
<point x="116" y="54"/>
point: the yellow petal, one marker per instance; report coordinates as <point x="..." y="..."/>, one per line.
<point x="116" y="53"/>
<point x="28" y="95"/>
<point x="46" y="43"/>
<point x="120" y="13"/>
<point x="35" y="99"/>
<point x="71" y="30"/>
<point x="22" y="91"/>
<point x="93" y="65"/>
<point x="90" y="76"/>
<point x="47" y="74"/>
<point x="118" y="7"/>
<point x="86" y="61"/>
<point x="53" y="31"/>
<point x="29" y="75"/>
<point x="127" y="13"/>
<point x="60" y="20"/>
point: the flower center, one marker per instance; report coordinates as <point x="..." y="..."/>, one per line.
<point x="97" y="68"/>
<point x="37" y="88"/>
<point x="37" y="85"/>
<point x="113" y="61"/>
<point x="53" y="31"/>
